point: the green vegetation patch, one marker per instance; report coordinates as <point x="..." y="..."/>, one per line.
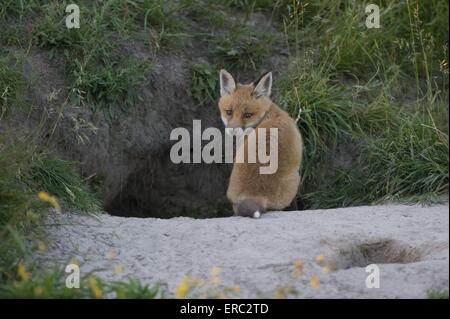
<point x="12" y="85"/>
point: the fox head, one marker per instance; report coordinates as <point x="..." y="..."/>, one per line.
<point x="244" y="106"/>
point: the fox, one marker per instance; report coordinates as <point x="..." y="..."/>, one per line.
<point x="244" y="106"/>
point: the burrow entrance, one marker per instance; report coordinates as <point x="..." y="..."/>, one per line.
<point x="162" y="189"/>
<point x="383" y="251"/>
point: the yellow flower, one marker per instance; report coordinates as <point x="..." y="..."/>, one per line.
<point x="326" y="269"/>
<point x="315" y="282"/>
<point x="32" y="216"/>
<point x="96" y="290"/>
<point x="280" y="294"/>
<point x="215" y="280"/>
<point x="38" y="291"/>
<point x="215" y="271"/>
<point x="52" y="200"/>
<point x="111" y="254"/>
<point x="297" y="273"/>
<point x="320" y="259"/>
<point x="298" y="264"/>
<point x="75" y="262"/>
<point x="183" y="288"/>
<point x="43" y="196"/>
<point x="42" y="246"/>
<point x="119" y="269"/>
<point x="236" y="289"/>
<point x="199" y="282"/>
<point x="283" y="292"/>
<point x="22" y="272"/>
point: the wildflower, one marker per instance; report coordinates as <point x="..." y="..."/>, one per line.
<point x="119" y="269"/>
<point x="111" y="254"/>
<point x="42" y="247"/>
<point x="215" y="280"/>
<point x="283" y="292"/>
<point x="298" y="264"/>
<point x="236" y="289"/>
<point x="52" y="200"/>
<point x="215" y="271"/>
<point x="320" y="259"/>
<point x="22" y="272"/>
<point x="38" y="291"/>
<point x="280" y="294"/>
<point x="32" y="216"/>
<point x="315" y="282"/>
<point x="74" y="261"/>
<point x="326" y="269"/>
<point x="297" y="273"/>
<point x="199" y="282"/>
<point x="183" y="288"/>
<point x="96" y="290"/>
<point x="443" y="65"/>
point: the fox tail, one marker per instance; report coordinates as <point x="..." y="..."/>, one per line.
<point x="249" y="208"/>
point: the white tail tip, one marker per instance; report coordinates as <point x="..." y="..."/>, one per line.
<point x="256" y="214"/>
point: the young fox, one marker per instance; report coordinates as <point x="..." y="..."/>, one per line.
<point x="243" y="106"/>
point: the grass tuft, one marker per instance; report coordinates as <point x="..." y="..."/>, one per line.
<point x="242" y="48"/>
<point x="204" y="86"/>
<point x="23" y="173"/>
<point x="12" y="86"/>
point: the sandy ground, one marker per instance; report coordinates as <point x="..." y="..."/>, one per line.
<point x="410" y="245"/>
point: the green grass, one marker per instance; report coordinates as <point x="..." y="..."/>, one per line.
<point x="209" y="13"/>
<point x="412" y="36"/>
<point x="16" y="21"/>
<point x="275" y="8"/>
<point x="398" y="153"/>
<point x="241" y="48"/>
<point x="12" y="86"/>
<point x="23" y="173"/>
<point x="51" y="285"/>
<point x="438" y="294"/>
<point x="205" y="83"/>
<point x="101" y="75"/>
<point x="56" y="176"/>
<point x="408" y="164"/>
<point x="353" y="86"/>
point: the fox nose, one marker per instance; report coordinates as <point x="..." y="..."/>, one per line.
<point x="233" y="126"/>
<point x="234" y="129"/>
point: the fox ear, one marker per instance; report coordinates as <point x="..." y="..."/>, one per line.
<point x="263" y="86"/>
<point x="227" y="83"/>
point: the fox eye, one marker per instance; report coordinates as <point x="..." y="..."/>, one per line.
<point x="248" y="115"/>
<point x="229" y="112"/>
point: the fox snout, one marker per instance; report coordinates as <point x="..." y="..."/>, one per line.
<point x="234" y="126"/>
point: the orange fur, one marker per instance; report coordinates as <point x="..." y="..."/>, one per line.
<point x="271" y="191"/>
